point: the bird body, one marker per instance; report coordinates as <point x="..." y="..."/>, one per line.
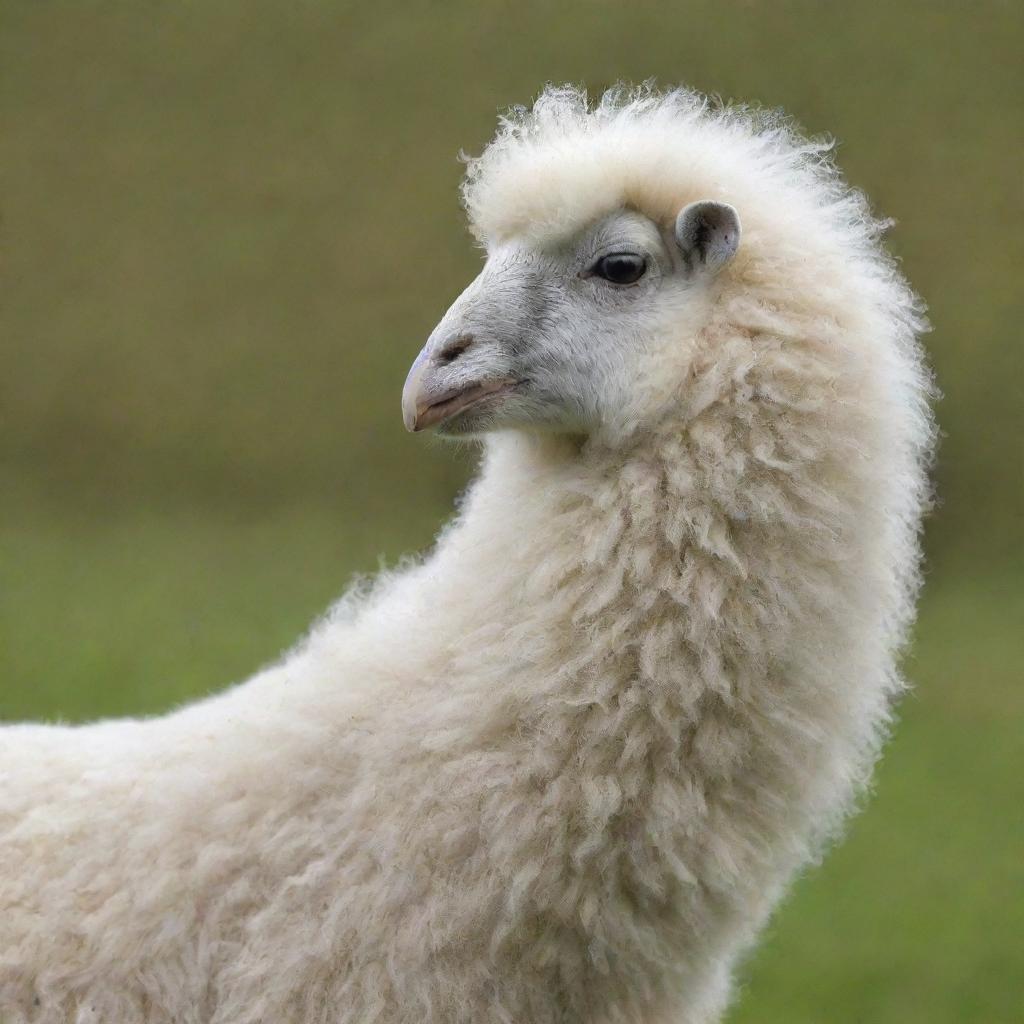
<point x="562" y="768"/>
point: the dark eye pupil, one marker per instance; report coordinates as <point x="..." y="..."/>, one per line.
<point x="621" y="268"/>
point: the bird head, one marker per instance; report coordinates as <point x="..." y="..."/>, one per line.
<point x="560" y="328"/>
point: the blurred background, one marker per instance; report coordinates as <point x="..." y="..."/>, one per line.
<point x="227" y="228"/>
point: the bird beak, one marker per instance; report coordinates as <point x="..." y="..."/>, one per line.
<point x="465" y="361"/>
<point x="439" y="387"/>
<point x="423" y="406"/>
<point x="414" y="404"/>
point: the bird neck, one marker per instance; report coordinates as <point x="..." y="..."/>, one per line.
<point x="570" y="553"/>
<point x="594" y="552"/>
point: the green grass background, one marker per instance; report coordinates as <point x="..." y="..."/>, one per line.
<point x="226" y="229"/>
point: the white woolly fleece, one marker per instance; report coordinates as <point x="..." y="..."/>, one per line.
<point x="562" y="769"/>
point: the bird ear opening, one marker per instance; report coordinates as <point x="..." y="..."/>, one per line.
<point x="708" y="234"/>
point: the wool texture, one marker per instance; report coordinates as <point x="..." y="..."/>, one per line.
<point x="562" y="768"/>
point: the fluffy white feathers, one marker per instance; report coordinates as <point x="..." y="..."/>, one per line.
<point x="562" y="769"/>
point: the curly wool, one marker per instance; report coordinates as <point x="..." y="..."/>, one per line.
<point x="563" y="768"/>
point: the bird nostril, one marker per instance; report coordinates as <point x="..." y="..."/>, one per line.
<point x="453" y="348"/>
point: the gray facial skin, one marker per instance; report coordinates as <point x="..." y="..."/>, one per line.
<point x="550" y="338"/>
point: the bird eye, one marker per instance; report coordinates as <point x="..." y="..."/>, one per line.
<point x="621" y="267"/>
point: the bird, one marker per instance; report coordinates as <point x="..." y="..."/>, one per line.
<point x="562" y="767"/>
